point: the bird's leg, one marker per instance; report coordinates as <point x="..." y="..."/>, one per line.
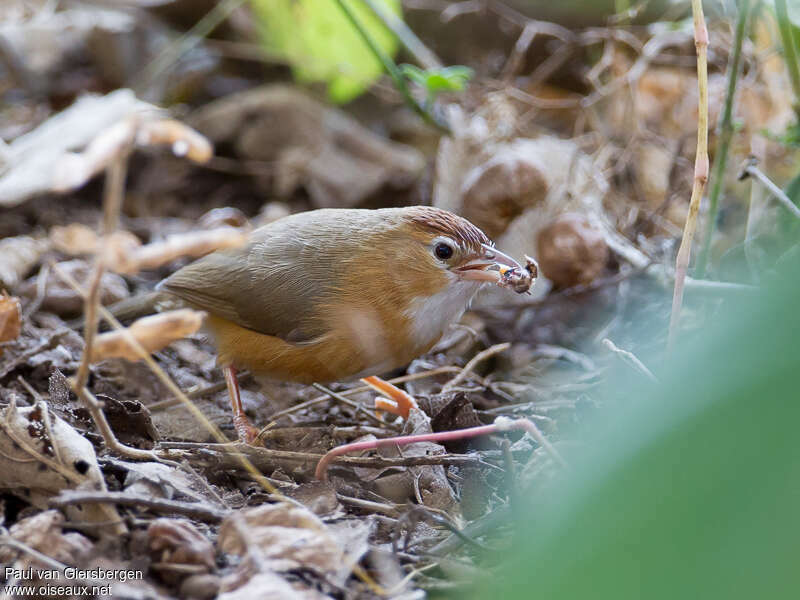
<point x="244" y="428"/>
<point x="399" y="403"/>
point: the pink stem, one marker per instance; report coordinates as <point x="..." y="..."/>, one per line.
<point x="500" y="425"/>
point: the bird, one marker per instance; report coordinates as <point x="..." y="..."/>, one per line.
<point x="337" y="294"/>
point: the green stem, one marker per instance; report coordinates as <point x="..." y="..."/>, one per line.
<point x="725" y="133"/>
<point x="392" y="69"/>
<point x="422" y="54"/>
<point x="790" y="55"/>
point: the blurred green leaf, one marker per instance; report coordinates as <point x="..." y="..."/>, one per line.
<point x="692" y="488"/>
<point x="445" y="79"/>
<point x="321" y="45"/>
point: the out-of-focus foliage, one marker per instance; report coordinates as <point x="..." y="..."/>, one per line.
<point x="436" y="81"/>
<point x="321" y="44"/>
<point x="692" y="490"/>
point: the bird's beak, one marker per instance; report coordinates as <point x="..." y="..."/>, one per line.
<point x="488" y="266"/>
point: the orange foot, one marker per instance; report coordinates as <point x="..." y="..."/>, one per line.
<point x="399" y="402"/>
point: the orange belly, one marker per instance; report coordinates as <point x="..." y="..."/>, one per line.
<point x="334" y="357"/>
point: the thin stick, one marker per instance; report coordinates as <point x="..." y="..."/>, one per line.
<point x="174" y="389"/>
<point x="700" y="169"/>
<point x="725" y="133"/>
<point x="351" y="403"/>
<point x="501" y="425"/>
<point x="392" y="69"/>
<point x="176" y="49"/>
<point x="752" y="169"/>
<point x="193" y="510"/>
<point x="421" y="53"/>
<point x="474" y="362"/>
<point x="790" y="55"/>
<point x="631" y="359"/>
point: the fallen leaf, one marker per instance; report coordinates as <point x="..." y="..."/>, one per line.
<point x="41" y="454"/>
<point x="10" y="319"/>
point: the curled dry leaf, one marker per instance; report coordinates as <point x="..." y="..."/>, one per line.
<point x="76" y="239"/>
<point x="194" y="244"/>
<point x="74" y="169"/>
<point x="40" y="455"/>
<point x="18" y="255"/>
<point x="572" y="250"/>
<point x="306" y="143"/>
<point x="288" y="537"/>
<point x="43" y="532"/>
<point x="178" y="542"/>
<point x="498" y="191"/>
<point x="153" y="333"/>
<point x="60" y="298"/>
<point x="10" y="319"/>
<point x="182" y="139"/>
<point x="33" y="156"/>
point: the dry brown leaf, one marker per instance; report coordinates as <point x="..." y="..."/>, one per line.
<point x="306" y="143"/>
<point x="10" y="318"/>
<point x="193" y="243"/>
<point x="287" y="537"/>
<point x="182" y="139"/>
<point x="41" y="454"/>
<point x="18" y="255"/>
<point x="268" y="586"/>
<point x="76" y="239"/>
<point x="179" y="542"/>
<point x="43" y="532"/>
<point x="153" y="333"/>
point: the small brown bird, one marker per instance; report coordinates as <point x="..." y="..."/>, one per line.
<point x="333" y="294"/>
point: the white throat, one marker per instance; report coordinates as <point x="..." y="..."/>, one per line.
<point x="432" y="315"/>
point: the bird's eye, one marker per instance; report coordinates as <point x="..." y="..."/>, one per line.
<point x="443" y="251"/>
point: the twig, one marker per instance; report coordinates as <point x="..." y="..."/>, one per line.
<point x="226" y="457"/>
<point x="175" y="390"/>
<point x="95" y="409"/>
<point x="198" y="511"/>
<point x="422" y="54"/>
<point x="176" y="49"/>
<point x="751" y="169"/>
<point x="631" y="359"/>
<point x="501" y="424"/>
<point x="392" y="69"/>
<point x="474" y="362"/>
<point x="725" y="132"/>
<point x="700" y="169"/>
<point x="790" y="54"/>
<point x="351" y="403"/>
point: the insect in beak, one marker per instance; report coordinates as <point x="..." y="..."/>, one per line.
<point x="487" y="266"/>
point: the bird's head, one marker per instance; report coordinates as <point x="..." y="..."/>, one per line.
<point x="431" y="264"/>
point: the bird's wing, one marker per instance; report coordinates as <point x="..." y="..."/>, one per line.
<point x="261" y="286"/>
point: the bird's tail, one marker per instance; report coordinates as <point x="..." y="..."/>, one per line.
<point x="131" y="308"/>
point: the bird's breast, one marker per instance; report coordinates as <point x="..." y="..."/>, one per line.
<point x="430" y="316"/>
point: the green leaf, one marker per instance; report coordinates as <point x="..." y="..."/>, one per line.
<point x="691" y="488"/>
<point x="445" y="79"/>
<point x="321" y="45"/>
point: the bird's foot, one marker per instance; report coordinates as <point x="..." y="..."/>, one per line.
<point x="245" y="430"/>
<point x="398" y="403"/>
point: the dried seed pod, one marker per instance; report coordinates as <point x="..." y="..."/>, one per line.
<point x="153" y="333"/>
<point x="193" y="243"/>
<point x="572" y="250"/>
<point x="498" y="191"/>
